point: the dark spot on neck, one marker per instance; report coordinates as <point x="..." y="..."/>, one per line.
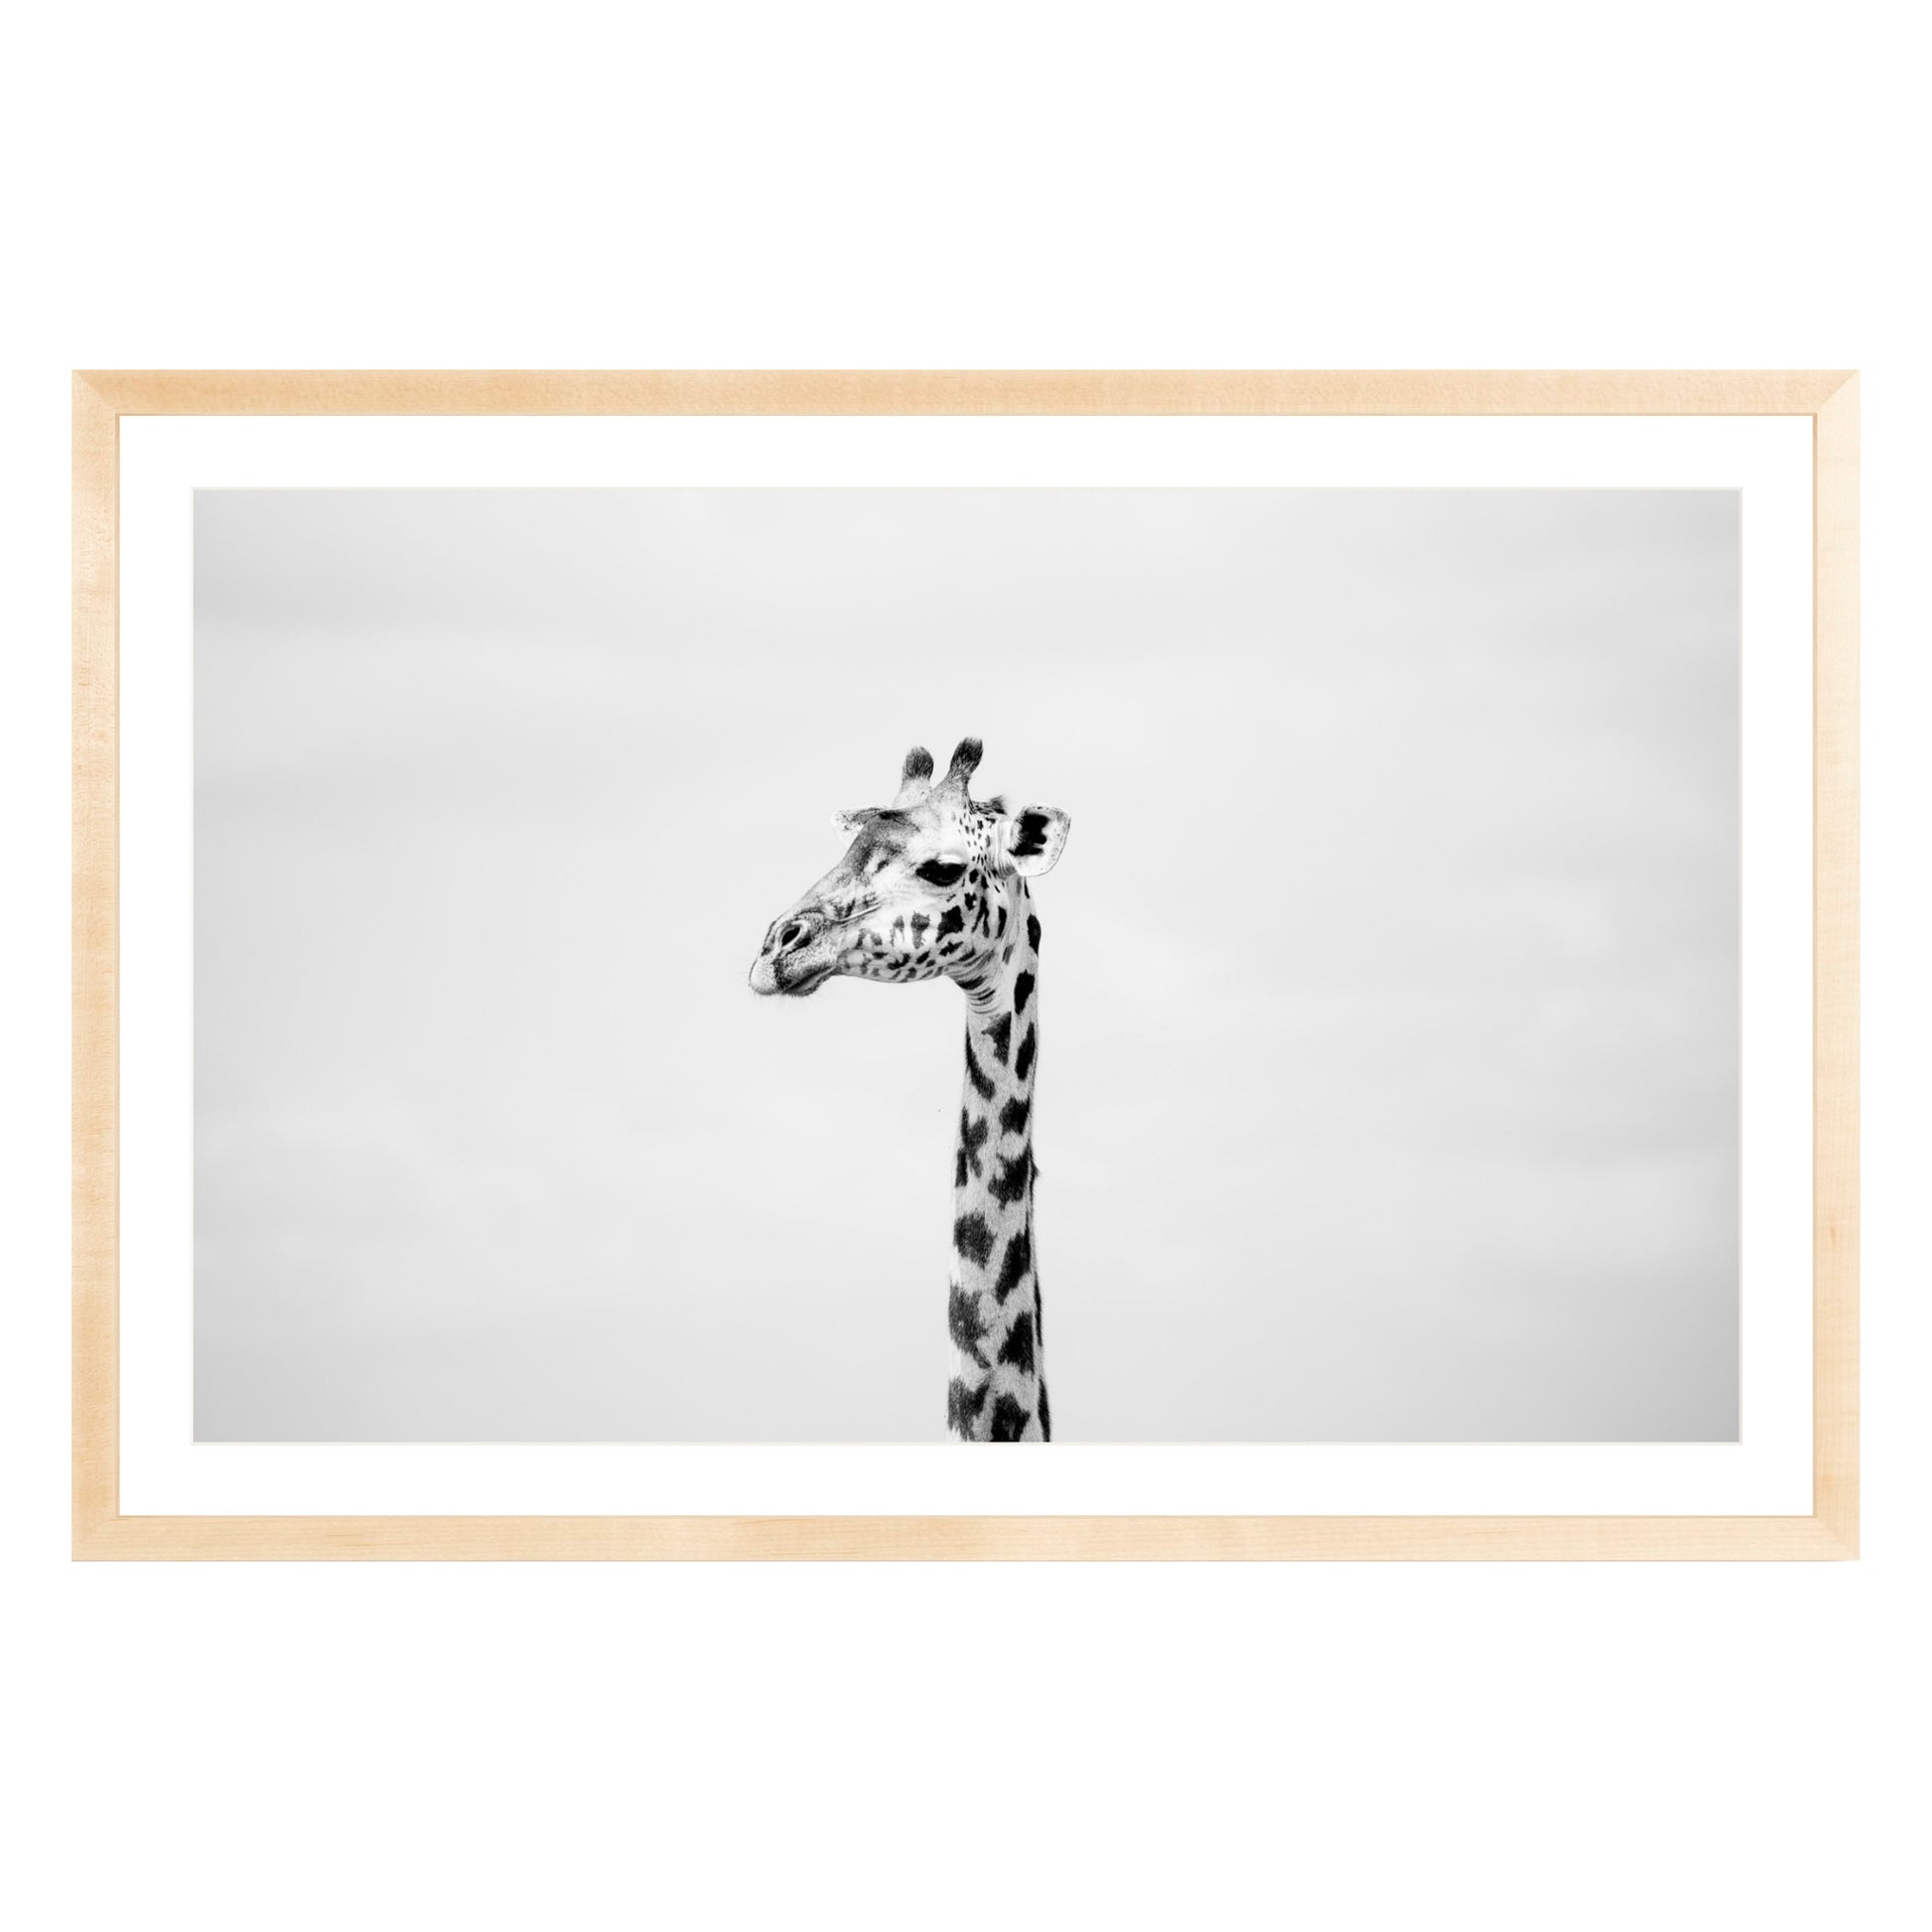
<point x="981" y="1084"/>
<point x="972" y="1137"/>
<point x="973" y="1238"/>
<point x="1014" y="1265"/>
<point x="968" y="1330"/>
<point x="1010" y="1420"/>
<point x="1010" y="1183"/>
<point x="1018" y="1349"/>
<point x="963" y="1406"/>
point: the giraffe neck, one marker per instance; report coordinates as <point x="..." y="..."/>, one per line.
<point x="997" y="1391"/>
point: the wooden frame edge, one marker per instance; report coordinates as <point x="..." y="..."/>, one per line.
<point x="1003" y="392"/>
<point x="102" y="1534"/>
<point x="1835" y="953"/>
<point x="963" y="1539"/>
<point x="95" y="964"/>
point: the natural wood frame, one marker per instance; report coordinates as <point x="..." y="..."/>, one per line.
<point x="103" y="398"/>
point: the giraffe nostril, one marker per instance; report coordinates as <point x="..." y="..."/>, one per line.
<point x="792" y="935"/>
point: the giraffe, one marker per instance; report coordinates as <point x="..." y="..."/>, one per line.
<point x="935" y="884"/>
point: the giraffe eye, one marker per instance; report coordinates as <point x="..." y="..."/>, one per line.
<point x="936" y="872"/>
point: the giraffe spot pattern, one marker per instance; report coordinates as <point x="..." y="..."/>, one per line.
<point x="1023" y="1062"/>
<point x="972" y="1137"/>
<point x="1000" y="1037"/>
<point x="1011" y="1182"/>
<point x="974" y="1239"/>
<point x="1010" y="1420"/>
<point x="963" y="1406"/>
<point x="981" y="1084"/>
<point x="1014" y="1266"/>
<point x="1018" y="1349"/>
<point x="967" y="1329"/>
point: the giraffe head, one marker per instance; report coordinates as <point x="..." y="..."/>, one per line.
<point x="927" y="888"/>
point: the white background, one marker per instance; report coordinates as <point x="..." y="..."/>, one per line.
<point x="1043" y="186"/>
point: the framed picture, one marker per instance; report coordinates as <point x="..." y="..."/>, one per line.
<point x="630" y="927"/>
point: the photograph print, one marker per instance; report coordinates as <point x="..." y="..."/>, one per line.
<point x="710" y="965"/>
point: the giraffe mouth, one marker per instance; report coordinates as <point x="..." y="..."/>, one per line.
<point x="799" y="979"/>
<point x="770" y="977"/>
<point x="806" y="984"/>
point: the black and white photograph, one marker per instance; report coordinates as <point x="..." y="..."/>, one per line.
<point x="915" y="904"/>
<point x="700" y="965"/>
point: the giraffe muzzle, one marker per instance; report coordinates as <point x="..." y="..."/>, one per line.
<point x="785" y="964"/>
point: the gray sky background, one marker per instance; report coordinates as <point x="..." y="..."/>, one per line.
<point x="1389" y="990"/>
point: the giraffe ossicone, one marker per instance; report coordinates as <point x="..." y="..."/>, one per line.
<point x="935" y="886"/>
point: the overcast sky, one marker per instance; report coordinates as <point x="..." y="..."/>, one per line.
<point x="1388" y="989"/>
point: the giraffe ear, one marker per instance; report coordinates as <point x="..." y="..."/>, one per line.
<point x="1035" y="836"/>
<point x="847" y="822"/>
